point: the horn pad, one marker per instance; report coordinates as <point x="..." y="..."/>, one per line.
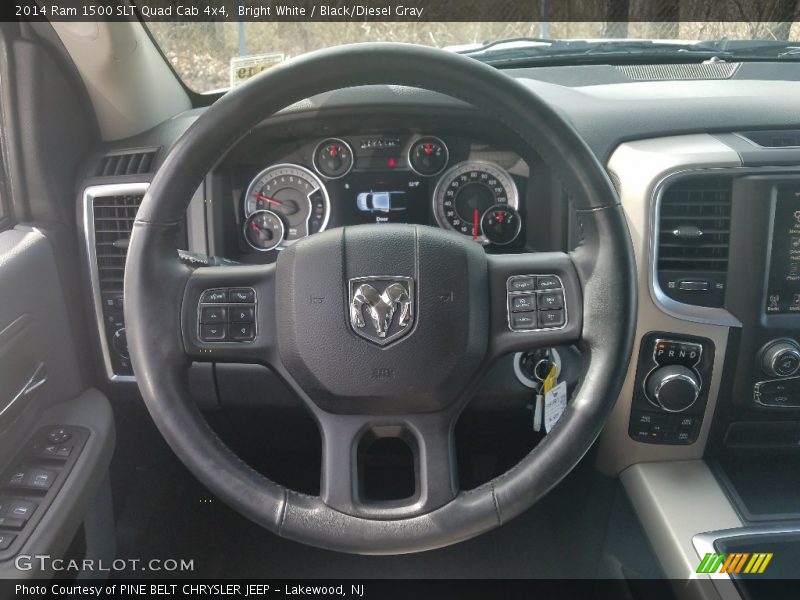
<point x="383" y="319"/>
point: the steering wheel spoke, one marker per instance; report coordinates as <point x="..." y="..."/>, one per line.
<point x="388" y="468"/>
<point x="228" y="314"/>
<point x="535" y="302"/>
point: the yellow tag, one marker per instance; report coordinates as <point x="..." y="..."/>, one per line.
<point x="551" y="380"/>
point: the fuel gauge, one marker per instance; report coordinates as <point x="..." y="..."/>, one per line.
<point x="264" y="230"/>
<point x="501" y="224"/>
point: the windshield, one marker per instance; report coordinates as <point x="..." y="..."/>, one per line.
<point x="216" y="55"/>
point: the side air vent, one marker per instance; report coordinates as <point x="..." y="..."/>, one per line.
<point x="115" y="164"/>
<point x="109" y="212"/>
<point x="694" y="220"/>
<point x="113" y="222"/>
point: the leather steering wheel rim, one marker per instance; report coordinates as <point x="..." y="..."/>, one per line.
<point x="156" y="281"/>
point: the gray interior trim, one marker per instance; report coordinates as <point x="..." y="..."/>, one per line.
<point x="58" y="526"/>
<point x="674" y="502"/>
<point x="89" y="194"/>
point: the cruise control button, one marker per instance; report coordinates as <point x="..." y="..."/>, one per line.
<point x="547" y="282"/>
<point x="242" y="314"/>
<point x="551" y="318"/>
<point x="242" y="295"/>
<point x="523" y="320"/>
<point x="242" y="332"/>
<point x="522" y="284"/>
<point x="213" y="333"/>
<point x="213" y="314"/>
<point x="550" y="300"/>
<point x="214" y="296"/>
<point x="524" y="303"/>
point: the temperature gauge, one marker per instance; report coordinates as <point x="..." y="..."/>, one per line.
<point x="263" y="230"/>
<point x="501" y="224"/>
<point x="428" y="156"/>
<point x="333" y="158"/>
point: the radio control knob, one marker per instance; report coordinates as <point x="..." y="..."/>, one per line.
<point x="781" y="358"/>
<point x="674" y="388"/>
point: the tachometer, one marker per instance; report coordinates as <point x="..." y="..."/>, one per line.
<point x="295" y="195"/>
<point x="467" y="191"/>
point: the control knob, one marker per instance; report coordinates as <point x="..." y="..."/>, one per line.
<point x="674" y="387"/>
<point x="781" y="358"/>
<point x="120" y="343"/>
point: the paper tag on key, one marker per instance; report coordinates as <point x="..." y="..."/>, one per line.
<point x="555" y="402"/>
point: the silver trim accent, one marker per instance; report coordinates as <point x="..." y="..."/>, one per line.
<point x="511" y="295"/>
<point x="253" y="246"/>
<point x="321" y="187"/>
<point x="689" y="312"/>
<point x="36" y="381"/>
<point x="508" y="183"/>
<point x="319" y="171"/>
<point x="415" y="141"/>
<point x="89" y="194"/>
<point x="757" y="394"/>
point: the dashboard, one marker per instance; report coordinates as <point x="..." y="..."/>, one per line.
<point x="277" y="189"/>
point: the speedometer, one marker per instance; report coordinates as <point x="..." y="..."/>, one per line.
<point x="295" y="195"/>
<point x="467" y="191"/>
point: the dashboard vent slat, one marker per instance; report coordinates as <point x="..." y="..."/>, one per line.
<point x="694" y="224"/>
<point x="138" y="162"/>
<point x="113" y="221"/>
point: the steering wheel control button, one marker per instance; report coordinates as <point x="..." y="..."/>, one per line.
<point x="59" y="436"/>
<point x="214" y="297"/>
<point x="541" y="309"/>
<point x="522" y="284"/>
<point x="242" y="295"/>
<point x="551" y="318"/>
<point x="551" y="300"/>
<point x="524" y="320"/>
<point x="242" y="332"/>
<point x="220" y="306"/>
<point x="213" y="314"/>
<point x="548" y="282"/>
<point x="242" y="314"/>
<point x="523" y="303"/>
<point x="213" y="333"/>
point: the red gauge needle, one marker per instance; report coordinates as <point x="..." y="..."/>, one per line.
<point x="475" y="216"/>
<point x="265" y="199"/>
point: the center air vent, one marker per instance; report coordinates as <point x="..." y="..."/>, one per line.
<point x="693" y="240"/>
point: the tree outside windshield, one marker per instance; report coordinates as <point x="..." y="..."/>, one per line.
<point x="201" y="53"/>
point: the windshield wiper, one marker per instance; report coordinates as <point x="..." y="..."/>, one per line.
<point x="763" y="49"/>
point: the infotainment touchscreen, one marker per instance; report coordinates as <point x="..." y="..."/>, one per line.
<point x="783" y="289"/>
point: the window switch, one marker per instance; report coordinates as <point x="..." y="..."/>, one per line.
<point x="6" y="539"/>
<point x="40" y="479"/>
<point x="12" y="523"/>
<point x="19" y="509"/>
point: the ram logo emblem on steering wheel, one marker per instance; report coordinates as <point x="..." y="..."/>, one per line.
<point x="381" y="308"/>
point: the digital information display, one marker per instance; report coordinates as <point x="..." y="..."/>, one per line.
<point x="783" y="289"/>
<point x="383" y="197"/>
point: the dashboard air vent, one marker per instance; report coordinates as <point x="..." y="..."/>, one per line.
<point x="113" y="222"/>
<point x="774" y="139"/>
<point x="126" y="163"/>
<point x="693" y="240"/>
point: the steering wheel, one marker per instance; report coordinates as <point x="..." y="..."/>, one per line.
<point x="449" y="318"/>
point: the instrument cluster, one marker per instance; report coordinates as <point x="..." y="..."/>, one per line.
<point x="386" y="179"/>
